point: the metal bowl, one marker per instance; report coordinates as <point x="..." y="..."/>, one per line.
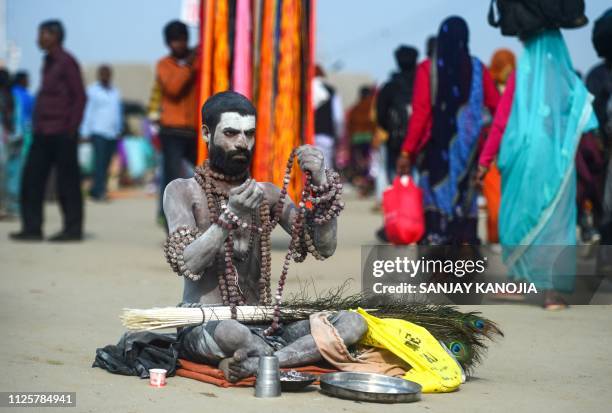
<point x="370" y="387"/>
<point x="295" y="380"/>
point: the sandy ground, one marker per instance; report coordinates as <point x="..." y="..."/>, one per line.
<point x="58" y="303"/>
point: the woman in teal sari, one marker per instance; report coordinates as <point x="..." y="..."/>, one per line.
<point x="551" y="108"/>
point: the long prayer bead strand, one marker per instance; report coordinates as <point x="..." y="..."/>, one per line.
<point x="325" y="202"/>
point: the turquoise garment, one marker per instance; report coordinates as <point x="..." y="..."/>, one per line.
<point x="550" y="111"/>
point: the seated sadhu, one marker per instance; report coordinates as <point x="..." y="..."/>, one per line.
<point x="220" y="223"/>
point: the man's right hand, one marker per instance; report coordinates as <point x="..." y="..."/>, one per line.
<point x="245" y="198"/>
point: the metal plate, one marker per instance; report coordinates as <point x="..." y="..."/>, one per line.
<point x="370" y="387"/>
<point x="294" y="380"/>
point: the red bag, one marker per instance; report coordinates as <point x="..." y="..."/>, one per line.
<point x="403" y="212"/>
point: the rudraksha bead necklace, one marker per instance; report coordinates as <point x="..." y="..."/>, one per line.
<point x="318" y="205"/>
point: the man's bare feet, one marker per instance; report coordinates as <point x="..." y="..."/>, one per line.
<point x="239" y="366"/>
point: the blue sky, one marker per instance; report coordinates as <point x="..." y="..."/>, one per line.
<point x="353" y="35"/>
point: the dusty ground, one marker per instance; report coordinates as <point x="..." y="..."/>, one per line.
<point x="58" y="303"/>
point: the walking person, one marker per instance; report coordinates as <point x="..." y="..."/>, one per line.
<point x="21" y="139"/>
<point x="394" y="105"/>
<point x="503" y="64"/>
<point x="102" y="123"/>
<point x="450" y="93"/>
<point x="176" y="76"/>
<point x="536" y="131"/>
<point x="329" y="116"/>
<point x="7" y="109"/>
<point x="360" y="128"/>
<point x="599" y="83"/>
<point x="58" y="111"/>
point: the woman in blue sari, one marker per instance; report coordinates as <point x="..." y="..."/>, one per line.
<point x="551" y="108"/>
<point x="450" y="93"/>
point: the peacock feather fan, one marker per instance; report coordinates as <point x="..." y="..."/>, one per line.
<point x="465" y="334"/>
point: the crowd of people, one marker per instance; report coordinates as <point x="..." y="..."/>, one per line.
<point x="524" y="133"/>
<point x="42" y="134"/>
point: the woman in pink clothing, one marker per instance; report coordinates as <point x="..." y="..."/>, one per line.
<point x="449" y="96"/>
<point x="491" y="146"/>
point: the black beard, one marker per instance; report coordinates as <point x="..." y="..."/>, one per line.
<point x="227" y="163"/>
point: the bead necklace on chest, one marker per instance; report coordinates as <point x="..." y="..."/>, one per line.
<point x="318" y="205"/>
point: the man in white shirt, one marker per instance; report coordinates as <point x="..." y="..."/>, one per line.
<point x="102" y="124"/>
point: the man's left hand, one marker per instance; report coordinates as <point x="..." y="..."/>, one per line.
<point x="311" y="159"/>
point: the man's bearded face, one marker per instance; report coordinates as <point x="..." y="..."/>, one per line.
<point x="231" y="148"/>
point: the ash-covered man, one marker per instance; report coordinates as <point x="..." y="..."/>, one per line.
<point x="203" y="209"/>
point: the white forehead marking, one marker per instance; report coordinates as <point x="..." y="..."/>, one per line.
<point x="237" y="121"/>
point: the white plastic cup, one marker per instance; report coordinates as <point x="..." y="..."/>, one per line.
<point x="157" y="377"/>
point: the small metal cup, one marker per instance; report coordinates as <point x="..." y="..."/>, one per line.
<point x="268" y="378"/>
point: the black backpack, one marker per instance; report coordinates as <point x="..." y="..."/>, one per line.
<point x="524" y="18"/>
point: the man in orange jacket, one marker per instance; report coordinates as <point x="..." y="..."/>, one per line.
<point x="176" y="76"/>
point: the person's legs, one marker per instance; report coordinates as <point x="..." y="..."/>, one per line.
<point x="69" y="185"/>
<point x="350" y="326"/>
<point x="236" y="339"/>
<point x="14" y="165"/>
<point x="34" y="181"/>
<point x="190" y="150"/>
<point x="111" y="149"/>
<point x="172" y="151"/>
<point x="172" y="147"/>
<point x="99" y="175"/>
<point x="107" y="150"/>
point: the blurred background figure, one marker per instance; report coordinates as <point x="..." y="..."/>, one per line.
<point x="450" y="94"/>
<point x="176" y="76"/>
<point x="328" y="116"/>
<point x="102" y="124"/>
<point x="503" y="63"/>
<point x="599" y="83"/>
<point x="22" y="137"/>
<point x="360" y="128"/>
<point x="6" y="132"/>
<point x="541" y="115"/>
<point x="57" y="115"/>
<point x="393" y="110"/>
<point x="393" y="105"/>
<point x="593" y="150"/>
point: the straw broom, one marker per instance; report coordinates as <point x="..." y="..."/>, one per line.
<point x="445" y="322"/>
<point x="173" y="317"/>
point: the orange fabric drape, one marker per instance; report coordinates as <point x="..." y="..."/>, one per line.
<point x="206" y="42"/>
<point x="282" y="66"/>
<point x="286" y="134"/>
<point x="221" y="57"/>
<point x="265" y="99"/>
<point x="491" y="190"/>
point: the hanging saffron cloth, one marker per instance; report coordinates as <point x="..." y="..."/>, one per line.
<point x="205" y="77"/>
<point x="221" y="55"/>
<point x="287" y="111"/>
<point x="242" y="72"/>
<point x="263" y="49"/>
